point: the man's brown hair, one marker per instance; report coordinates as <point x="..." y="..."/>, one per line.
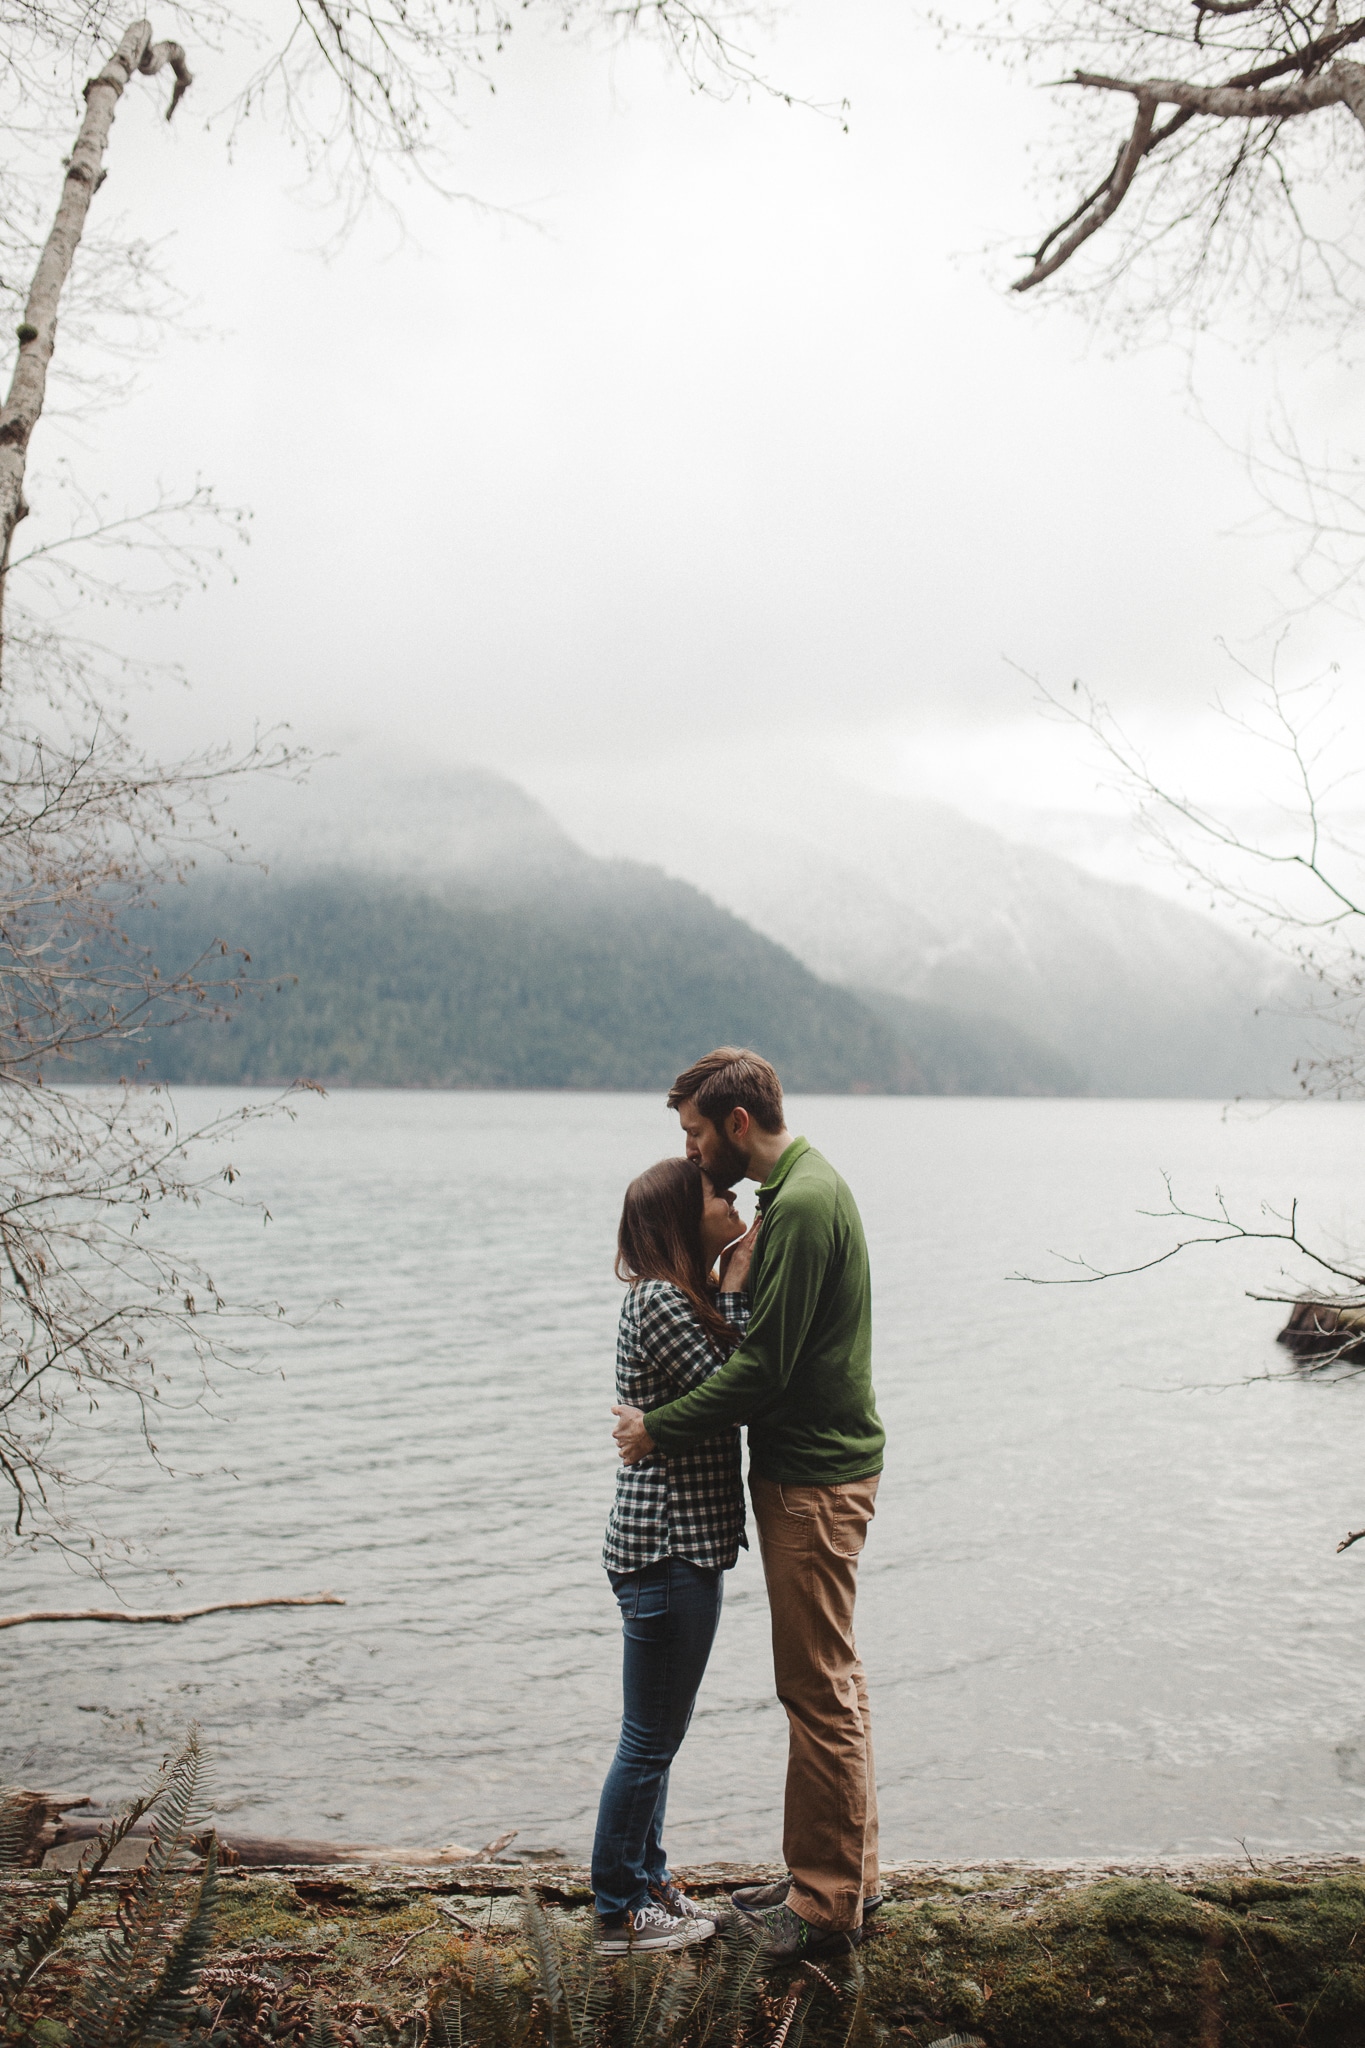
<point x="731" y="1078"/>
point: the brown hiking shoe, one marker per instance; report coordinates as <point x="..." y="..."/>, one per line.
<point x="755" y="1898"/>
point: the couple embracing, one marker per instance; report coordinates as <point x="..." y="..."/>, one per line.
<point x="769" y="1328"/>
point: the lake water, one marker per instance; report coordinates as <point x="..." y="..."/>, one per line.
<point x="1100" y="1606"/>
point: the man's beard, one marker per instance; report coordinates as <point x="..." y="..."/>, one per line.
<point x="729" y="1164"/>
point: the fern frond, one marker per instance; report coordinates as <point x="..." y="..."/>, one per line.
<point x="540" y="1938"/>
<point x="489" y="2007"/>
<point x="27" y="1951"/>
<point x="587" y="1988"/>
<point x="324" y="2034"/>
<point x="164" y="2007"/>
<point x="116" y="1993"/>
<point x="679" y="1994"/>
<point x="729" y="1989"/>
<point x="440" y="2034"/>
<point x="864" y="2029"/>
<point x="638" y="1987"/>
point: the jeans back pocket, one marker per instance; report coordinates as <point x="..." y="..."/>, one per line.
<point x="642" y="1595"/>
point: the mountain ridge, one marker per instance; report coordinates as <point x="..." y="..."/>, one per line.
<point x="514" y="958"/>
<point x="1138" y="995"/>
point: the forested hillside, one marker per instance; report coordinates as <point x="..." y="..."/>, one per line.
<point x="615" y="981"/>
<point x="442" y="931"/>
<point x="607" y="975"/>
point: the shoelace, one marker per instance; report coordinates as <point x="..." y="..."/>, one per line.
<point x="674" y="1902"/>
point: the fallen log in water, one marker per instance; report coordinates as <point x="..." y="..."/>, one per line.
<point x="130" y="1614"/>
<point x="48" y="1830"/>
<point x="1325" y="1330"/>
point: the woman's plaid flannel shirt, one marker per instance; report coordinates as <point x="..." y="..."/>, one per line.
<point x="691" y="1505"/>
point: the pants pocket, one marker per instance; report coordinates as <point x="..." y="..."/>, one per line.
<point x="799" y="1501"/>
<point x="642" y="1596"/>
<point x="852" y="1514"/>
<point x="651" y="1598"/>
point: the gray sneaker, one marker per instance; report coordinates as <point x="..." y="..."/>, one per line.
<point x="652" y="1927"/>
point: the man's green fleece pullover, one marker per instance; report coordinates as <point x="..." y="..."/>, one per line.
<point x="802" y="1378"/>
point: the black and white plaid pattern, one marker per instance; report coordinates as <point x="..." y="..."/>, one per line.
<point x="691" y="1505"/>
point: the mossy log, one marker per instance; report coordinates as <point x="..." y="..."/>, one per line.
<point x="1199" y="1955"/>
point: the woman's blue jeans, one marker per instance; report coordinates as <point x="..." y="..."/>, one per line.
<point x="670" y="1612"/>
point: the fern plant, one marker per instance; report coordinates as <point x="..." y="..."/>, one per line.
<point x="323" y="2033"/>
<point x="138" y="1990"/>
<point x="26" y="1948"/>
<point x="122" y="1990"/>
<point x="487" y="2007"/>
<point x="574" y="1998"/>
<point x="573" y="1987"/>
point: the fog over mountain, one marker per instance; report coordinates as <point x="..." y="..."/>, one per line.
<point x="441" y="930"/>
<point x="395" y="818"/>
<point x="1140" y="995"/>
<point x="999" y="967"/>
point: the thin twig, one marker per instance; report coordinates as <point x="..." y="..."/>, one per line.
<point x="444" y="1906"/>
<point x="433" y="1927"/>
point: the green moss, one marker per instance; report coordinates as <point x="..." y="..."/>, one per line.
<point x="1126" y="1964"/>
<point x="1259" y="1962"/>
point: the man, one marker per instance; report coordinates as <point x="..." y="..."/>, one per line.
<point x="802" y="1381"/>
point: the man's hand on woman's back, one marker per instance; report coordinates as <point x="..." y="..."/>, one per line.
<point x="633" y="1441"/>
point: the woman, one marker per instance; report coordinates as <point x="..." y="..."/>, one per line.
<point x="674" y="1531"/>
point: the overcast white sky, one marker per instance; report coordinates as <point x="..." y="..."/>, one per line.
<point x="742" y="447"/>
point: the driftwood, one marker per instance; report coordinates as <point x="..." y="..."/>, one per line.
<point x="37" y="1816"/>
<point x="185" y="1614"/>
<point x="260" y="1852"/>
<point x="1324" y="1330"/>
<point x="52" y="1828"/>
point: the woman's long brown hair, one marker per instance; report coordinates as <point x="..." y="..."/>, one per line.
<point x="660" y="1239"/>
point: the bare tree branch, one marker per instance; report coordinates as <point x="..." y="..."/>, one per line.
<point x="1223" y="1229"/>
<point x="1235" y="191"/>
<point x="94" y="1302"/>
<point x="1110" y="197"/>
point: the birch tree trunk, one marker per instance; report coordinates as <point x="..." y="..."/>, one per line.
<point x="1351" y="77"/>
<point x="38" y="332"/>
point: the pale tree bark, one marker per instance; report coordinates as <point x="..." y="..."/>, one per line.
<point x="38" y="331"/>
<point x="1305" y="63"/>
<point x="1342" y="84"/>
<point x="1352" y="80"/>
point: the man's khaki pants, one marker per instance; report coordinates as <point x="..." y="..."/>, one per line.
<point x="811" y="1537"/>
